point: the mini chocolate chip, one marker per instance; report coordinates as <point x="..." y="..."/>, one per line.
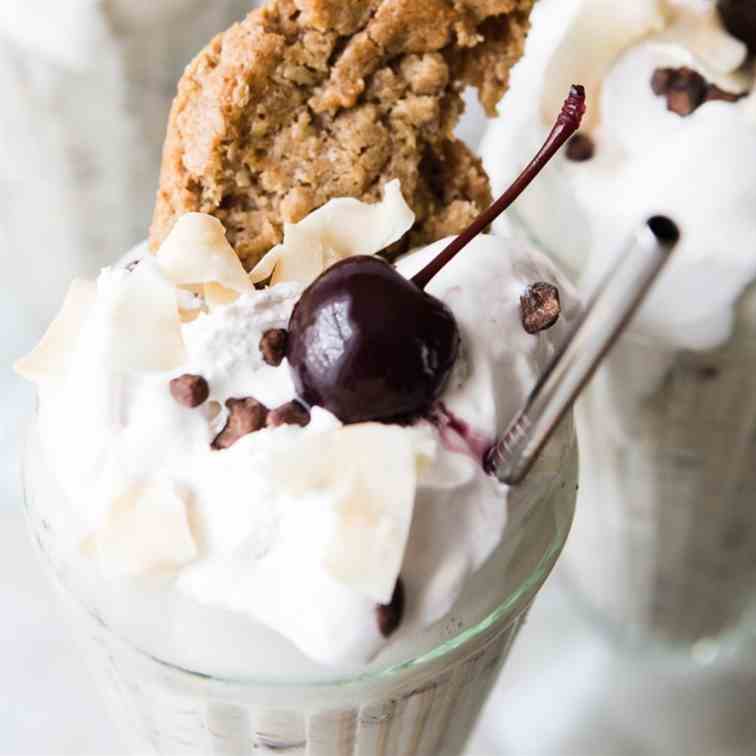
<point x="580" y="148"/>
<point x="739" y="17"/>
<point x="683" y="102"/>
<point x="686" y="92"/>
<point x="717" y="94"/>
<point x="132" y="265"/>
<point x="390" y="615"/>
<point x="273" y="345"/>
<point x="247" y="416"/>
<point x="540" y="307"/>
<point x="661" y="80"/>
<point x="291" y="413"/>
<point x="190" y="390"/>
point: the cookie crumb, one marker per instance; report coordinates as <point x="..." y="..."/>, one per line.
<point x="247" y="416"/>
<point x="190" y="390"/>
<point x="540" y="307"/>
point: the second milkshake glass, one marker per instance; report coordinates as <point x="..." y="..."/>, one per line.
<point x="665" y="537"/>
<point x="665" y="547"/>
<point x="663" y="553"/>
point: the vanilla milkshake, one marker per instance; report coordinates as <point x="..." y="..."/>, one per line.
<point x="252" y="570"/>
<point x="665" y="546"/>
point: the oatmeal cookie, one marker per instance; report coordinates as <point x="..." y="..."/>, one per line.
<point x="306" y="100"/>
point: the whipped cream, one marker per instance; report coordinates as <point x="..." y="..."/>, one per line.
<point x="700" y="169"/>
<point x="303" y="530"/>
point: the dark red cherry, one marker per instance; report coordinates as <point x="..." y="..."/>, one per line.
<point x="739" y="18"/>
<point x="367" y="344"/>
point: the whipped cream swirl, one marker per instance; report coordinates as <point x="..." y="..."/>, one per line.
<point x="303" y="527"/>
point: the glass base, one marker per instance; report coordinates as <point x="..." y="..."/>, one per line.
<point x="166" y="711"/>
<point x="571" y="689"/>
<point x="652" y="645"/>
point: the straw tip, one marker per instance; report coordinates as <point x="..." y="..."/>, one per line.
<point x="664" y="229"/>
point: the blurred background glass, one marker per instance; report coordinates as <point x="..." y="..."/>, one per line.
<point x="664" y="545"/>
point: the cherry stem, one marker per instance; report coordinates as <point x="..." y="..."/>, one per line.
<point x="566" y="125"/>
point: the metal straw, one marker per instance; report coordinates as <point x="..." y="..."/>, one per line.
<point x="609" y="310"/>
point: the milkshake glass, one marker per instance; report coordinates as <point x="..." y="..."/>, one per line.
<point x="423" y="698"/>
<point x="249" y="571"/>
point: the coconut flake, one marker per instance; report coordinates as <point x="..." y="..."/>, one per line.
<point x="50" y="358"/>
<point x="341" y="228"/>
<point x="140" y="310"/>
<point x="371" y="471"/>
<point x="702" y="32"/>
<point x="148" y="529"/>
<point x="197" y="252"/>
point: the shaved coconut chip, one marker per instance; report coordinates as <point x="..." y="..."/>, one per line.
<point x="217" y="295"/>
<point x="702" y="32"/>
<point x="197" y="252"/>
<point x="49" y="359"/>
<point x="371" y="470"/>
<point x="289" y="262"/>
<point x="147" y="530"/>
<point x="601" y="31"/>
<point x="341" y="228"/>
<point x="143" y="316"/>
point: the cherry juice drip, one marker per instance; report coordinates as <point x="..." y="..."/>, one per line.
<point x="457" y="435"/>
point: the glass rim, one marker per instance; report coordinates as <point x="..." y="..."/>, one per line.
<point x="528" y="587"/>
